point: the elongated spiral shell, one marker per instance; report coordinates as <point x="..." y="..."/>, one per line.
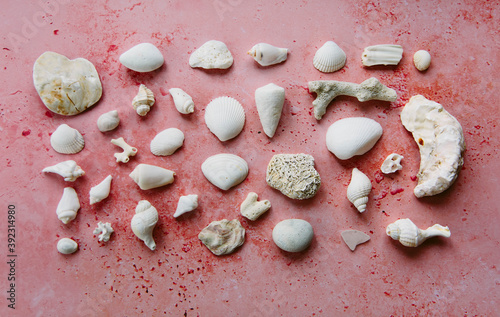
<point x="358" y="190"/>
<point x="143" y="101"/>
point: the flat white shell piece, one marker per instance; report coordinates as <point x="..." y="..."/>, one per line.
<point x="212" y="54"/>
<point x="225" y="170"/>
<point x="383" y="54"/>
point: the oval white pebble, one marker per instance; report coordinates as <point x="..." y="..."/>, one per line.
<point x="293" y="235"/>
<point x="67" y="246"/>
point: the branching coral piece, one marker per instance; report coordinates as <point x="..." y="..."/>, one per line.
<point x="253" y="209"/>
<point x="127" y="150"/>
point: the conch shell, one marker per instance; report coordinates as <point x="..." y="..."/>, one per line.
<point x="267" y="54"/>
<point x="144" y="100"/>
<point x="223" y="237"/>
<point x="69" y="170"/>
<point x="100" y="191"/>
<point x="144" y="221"/>
<point x="68" y="205"/>
<point x="406" y="232"/>
<point x="150" y="176"/>
<point x="253" y="209"/>
<point x="358" y="190"/>
<point x="183" y="102"/>
<point x="186" y="204"/>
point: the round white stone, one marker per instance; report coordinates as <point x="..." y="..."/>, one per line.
<point x="293" y="235"/>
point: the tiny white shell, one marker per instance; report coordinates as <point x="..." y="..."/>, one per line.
<point x="225" y="117"/>
<point x="269" y="100"/>
<point x="293" y="235"/>
<point x="66" y="140"/>
<point x="69" y="170"/>
<point x="422" y="60"/>
<point x="186" y="204"/>
<point x="267" y="54"/>
<point x="252" y="209"/>
<point x="67" y="246"/>
<point x="329" y="58"/>
<point x="392" y="163"/>
<point x="183" y="102"/>
<point x="358" y="190"/>
<point x="100" y="191"/>
<point x="68" y="205"/>
<point x="144" y="57"/>
<point x="383" y="54"/>
<point x="212" y="54"/>
<point x="104" y="230"/>
<point x="150" y="176"/>
<point x="144" y="222"/>
<point x="225" y="170"/>
<point x="108" y="121"/>
<point x="167" y="142"/>
<point x="143" y="101"/>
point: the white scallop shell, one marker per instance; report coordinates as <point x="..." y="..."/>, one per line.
<point x="67" y="246"/>
<point x="225" y="170"/>
<point x="143" y="101"/>
<point x="358" y="190"/>
<point x="267" y="54"/>
<point x="329" y="58"/>
<point x="69" y="170"/>
<point x="100" y="191"/>
<point x="225" y="117"/>
<point x="144" y="57"/>
<point x="269" y="100"/>
<point x="108" y="121"/>
<point x="144" y="222"/>
<point x="183" y="102"/>
<point x="392" y="163"/>
<point x="186" y="204"/>
<point x="66" y="140"/>
<point x="422" y="60"/>
<point x="352" y="136"/>
<point x="383" y="54"/>
<point x="167" y="142"/>
<point x="212" y="54"/>
<point x="150" y="176"/>
<point x="293" y="235"/>
<point x="68" y="205"/>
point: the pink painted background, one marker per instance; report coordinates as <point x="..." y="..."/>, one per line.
<point x="448" y="277"/>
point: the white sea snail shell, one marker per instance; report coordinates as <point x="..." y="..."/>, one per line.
<point x="186" y="204"/>
<point x="225" y="117"/>
<point x="422" y="60"/>
<point x="183" y="102"/>
<point x="167" y="142"/>
<point x="358" y="190"/>
<point x="66" y="140"/>
<point x="267" y="54"/>
<point x="293" y="235"/>
<point x="329" y="58"/>
<point x="67" y="246"/>
<point x="150" y="176"/>
<point x="143" y="101"/>
<point x="108" y="121"/>
<point x="144" y="222"/>
<point x="69" y="170"/>
<point x="100" y="191"/>
<point x="68" y="205"/>
<point x="409" y="235"/>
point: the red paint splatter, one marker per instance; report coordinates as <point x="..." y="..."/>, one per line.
<point x="381" y="195"/>
<point x="413" y="178"/>
<point x="56" y="31"/>
<point x="26" y="132"/>
<point x="48" y="114"/>
<point x="163" y="91"/>
<point x="397" y="190"/>
<point x="379" y="176"/>
<point x="16" y="92"/>
<point x="6" y="49"/>
<point x="112" y="48"/>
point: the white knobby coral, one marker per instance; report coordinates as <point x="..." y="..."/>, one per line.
<point x="253" y="209"/>
<point x="104" y="231"/>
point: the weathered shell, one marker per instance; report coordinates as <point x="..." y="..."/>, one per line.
<point x="167" y="142"/>
<point x="144" y="57"/>
<point x="150" y="176"/>
<point x="252" y="209"/>
<point x="409" y="235"/>
<point x="353" y="238"/>
<point x="67" y="246"/>
<point x="67" y="87"/>
<point x="293" y="235"/>
<point x="100" y="191"/>
<point x="267" y="54"/>
<point x="108" y="121"/>
<point x="183" y="102"/>
<point x="104" y="230"/>
<point x="422" y="60"/>
<point x="358" y="190"/>
<point x="293" y="175"/>
<point x="269" y="100"/>
<point x="143" y="101"/>
<point x="383" y="54"/>
<point x="69" y="170"/>
<point x="68" y="205"/>
<point x="66" y="140"/>
<point x="392" y="163"/>
<point x="144" y="222"/>
<point x="225" y="117"/>
<point x="225" y="170"/>
<point x="186" y="204"/>
<point x="329" y="58"/>
<point x="223" y="236"/>
<point x="212" y="54"/>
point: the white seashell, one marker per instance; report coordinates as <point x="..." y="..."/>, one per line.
<point x="183" y="102"/>
<point x="67" y="246"/>
<point x="143" y="101"/>
<point x="422" y="60"/>
<point x="352" y="136"/>
<point x="69" y="170"/>
<point x="293" y="235"/>
<point x="67" y="87"/>
<point x="353" y="238"/>
<point x="383" y="54"/>
<point x="108" y="121"/>
<point x="409" y="235"/>
<point x="100" y="191"/>
<point x="144" y="222"/>
<point x="329" y="58"/>
<point x="150" y="176"/>
<point x="358" y="190"/>
<point x="144" y="57"/>
<point x="167" y="142"/>
<point x="128" y="150"/>
<point x="440" y="139"/>
<point x="269" y="100"/>
<point x="104" y="231"/>
<point x="253" y="209"/>
<point x="66" y="140"/>
<point x="267" y="54"/>
<point x="68" y="205"/>
<point x="223" y="236"/>
<point x="186" y="204"/>
<point x="225" y="117"/>
<point x="212" y="54"/>
<point x="225" y="170"/>
<point x="392" y="164"/>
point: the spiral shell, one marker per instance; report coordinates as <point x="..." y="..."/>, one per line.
<point x="225" y="117"/>
<point x="67" y="246"/>
<point x="223" y="237"/>
<point x="186" y="204"/>
<point x="144" y="222"/>
<point x="143" y="101"/>
<point x="225" y="170"/>
<point x="267" y="54"/>
<point x="150" y="176"/>
<point x="422" y="60"/>
<point x="358" y="190"/>
<point x="167" y="142"/>
<point x="409" y="235"/>
<point x="68" y="205"/>
<point x="69" y="170"/>
<point x="108" y="121"/>
<point x="100" y="191"/>
<point x="329" y="58"/>
<point x="183" y="102"/>
<point x="66" y="140"/>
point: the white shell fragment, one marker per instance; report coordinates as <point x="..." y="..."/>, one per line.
<point x="69" y="170"/>
<point x="212" y="54"/>
<point x="144" y="57"/>
<point x="143" y="101"/>
<point x="150" y="176"/>
<point x="225" y="117"/>
<point x="269" y="100"/>
<point x="104" y="230"/>
<point x="353" y="238"/>
<point x="358" y="190"/>
<point x="293" y="235"/>
<point x="128" y="150"/>
<point x="223" y="236"/>
<point x="67" y="246"/>
<point x="267" y="54"/>
<point x="183" y="102"/>
<point x="327" y="90"/>
<point x="144" y="222"/>
<point x="225" y="170"/>
<point x="108" y="121"/>
<point x="66" y="140"/>
<point x="100" y="191"/>
<point x="422" y="60"/>
<point x="383" y="54"/>
<point x="167" y="142"/>
<point x="67" y="87"/>
<point x="392" y="164"/>
<point x="329" y="58"/>
<point x="252" y="209"/>
<point x="352" y="136"/>
<point x="186" y="204"/>
<point x="409" y="235"/>
<point x="293" y="175"/>
<point x="440" y="139"/>
<point x="68" y="205"/>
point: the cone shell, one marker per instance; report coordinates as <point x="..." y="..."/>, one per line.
<point x="223" y="237"/>
<point x="225" y="170"/>
<point x="329" y="58"/>
<point x="108" y="121"/>
<point x="167" y="142"/>
<point x="67" y="246"/>
<point x="68" y="205"/>
<point x="358" y="190"/>
<point x="66" y="140"/>
<point x="143" y="101"/>
<point x="225" y="117"/>
<point x="269" y="100"/>
<point x="267" y="54"/>
<point x="422" y="60"/>
<point x="150" y="176"/>
<point x="144" y="222"/>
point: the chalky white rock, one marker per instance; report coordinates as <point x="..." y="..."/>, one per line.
<point x="252" y="209"/>
<point x="212" y="54"/>
<point x="293" y="235"/>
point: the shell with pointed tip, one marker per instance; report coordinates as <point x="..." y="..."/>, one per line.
<point x="212" y="54"/>
<point x="225" y="117"/>
<point x="252" y="209"/>
<point x="267" y="54"/>
<point x="186" y="204"/>
<point x="100" y="191"/>
<point x="144" y="57"/>
<point x="167" y="142"/>
<point x="422" y="60"/>
<point x="69" y="170"/>
<point x="144" y="222"/>
<point x="104" y="230"/>
<point x="67" y="246"/>
<point x="108" y="121"/>
<point x="68" y="205"/>
<point x="383" y="54"/>
<point x="225" y="170"/>
<point x="352" y="136"/>
<point x="358" y="190"/>
<point x="293" y="235"/>
<point x="409" y="235"/>
<point x="143" y="101"/>
<point x="183" y="102"/>
<point x="329" y="58"/>
<point x="392" y="163"/>
<point x="269" y="100"/>
<point x="150" y="176"/>
<point x="66" y="140"/>
<point x="223" y="236"/>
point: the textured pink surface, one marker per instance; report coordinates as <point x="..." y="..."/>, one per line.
<point x="451" y="277"/>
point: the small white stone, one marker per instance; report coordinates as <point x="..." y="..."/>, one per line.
<point x="293" y="235"/>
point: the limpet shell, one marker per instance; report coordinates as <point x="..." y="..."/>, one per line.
<point x="225" y="117"/>
<point x="167" y="142"/>
<point x="329" y="58"/>
<point x="66" y="140"/>
<point x="225" y="170"/>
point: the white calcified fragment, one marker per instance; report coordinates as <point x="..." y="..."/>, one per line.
<point x="327" y="90"/>
<point x="183" y="102"/>
<point x="128" y="150"/>
<point x="212" y="54"/>
<point x="104" y="230"/>
<point x="144" y="222"/>
<point x="383" y="54"/>
<point x="100" y="191"/>
<point x="409" y="235"/>
<point x="68" y="205"/>
<point x="392" y="163"/>
<point x="144" y="57"/>
<point x="267" y="54"/>
<point x="269" y="100"/>
<point x="223" y="236"/>
<point x="353" y="238"/>
<point x="440" y="139"/>
<point x="422" y="60"/>
<point x="69" y="170"/>
<point x="66" y="140"/>
<point x="293" y="235"/>
<point x="358" y="190"/>
<point x="253" y="209"/>
<point x="150" y="176"/>
<point x="67" y="246"/>
<point x="143" y="101"/>
<point x="108" y="121"/>
<point x="186" y="204"/>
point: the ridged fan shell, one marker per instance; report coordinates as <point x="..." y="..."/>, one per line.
<point x="358" y="190"/>
<point x="167" y="142"/>
<point x="329" y="58"/>
<point x="225" y="117"/>
<point x="225" y="170"/>
<point x="66" y="140"/>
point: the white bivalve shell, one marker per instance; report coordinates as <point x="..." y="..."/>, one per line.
<point x="67" y="246"/>
<point x="352" y="136"/>
<point x="225" y="117"/>
<point x="186" y="204"/>
<point x="66" y="140"/>
<point x="167" y="142"/>
<point x="358" y="190"/>
<point x="223" y="236"/>
<point x="144" y="57"/>
<point x="267" y="54"/>
<point x="329" y="58"/>
<point x="212" y="54"/>
<point x="422" y="60"/>
<point x="269" y="100"/>
<point x="143" y="101"/>
<point x="69" y="170"/>
<point x="409" y="235"/>
<point x="68" y="205"/>
<point x="183" y="102"/>
<point x="150" y="176"/>
<point x="293" y="235"/>
<point x="108" y="121"/>
<point x="100" y="191"/>
<point x="383" y="54"/>
<point x="392" y="164"/>
<point x="144" y="222"/>
<point x="225" y="170"/>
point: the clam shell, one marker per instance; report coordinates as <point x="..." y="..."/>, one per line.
<point x="167" y="142"/>
<point x="67" y="246"/>
<point x="358" y="190"/>
<point x="269" y="100"/>
<point x="144" y="222"/>
<point x="144" y="57"/>
<point x="223" y="237"/>
<point x="293" y="235"/>
<point x="422" y="60"/>
<point x="212" y="54"/>
<point x="225" y="117"/>
<point x="108" y="121"/>
<point x="383" y="54"/>
<point x="68" y="205"/>
<point x="66" y="140"/>
<point x="143" y="101"/>
<point x="183" y="102"/>
<point x="150" y="176"/>
<point x="225" y="170"/>
<point x="329" y="58"/>
<point x="267" y="54"/>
